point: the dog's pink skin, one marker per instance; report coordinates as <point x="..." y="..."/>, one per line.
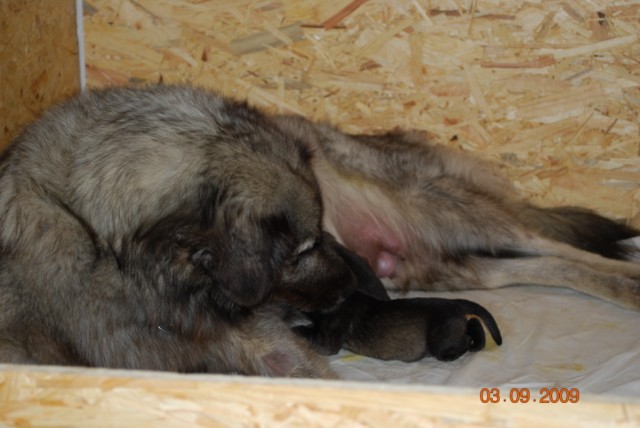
<point x="373" y="241"/>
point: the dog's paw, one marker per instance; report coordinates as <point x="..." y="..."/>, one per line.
<point x="628" y="294"/>
<point x="620" y="289"/>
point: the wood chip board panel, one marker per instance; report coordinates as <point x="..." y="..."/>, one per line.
<point x="550" y="88"/>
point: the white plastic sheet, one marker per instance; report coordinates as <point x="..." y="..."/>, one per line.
<point x="553" y="337"/>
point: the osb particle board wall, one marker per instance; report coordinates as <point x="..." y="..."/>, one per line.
<point x="549" y="88"/>
<point x="38" y="59"/>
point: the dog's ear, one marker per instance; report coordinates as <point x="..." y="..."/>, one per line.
<point x="243" y="269"/>
<point x="248" y="256"/>
<point x="235" y="250"/>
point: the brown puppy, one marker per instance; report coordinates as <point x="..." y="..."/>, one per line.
<point x="369" y="323"/>
<point x="168" y="228"/>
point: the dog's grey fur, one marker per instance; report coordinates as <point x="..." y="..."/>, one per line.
<point x="120" y="208"/>
<point x="168" y="228"/>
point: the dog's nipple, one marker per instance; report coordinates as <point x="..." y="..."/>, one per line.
<point x="385" y="265"/>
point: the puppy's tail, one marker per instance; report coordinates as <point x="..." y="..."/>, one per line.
<point x="478" y="312"/>
<point x="583" y="229"/>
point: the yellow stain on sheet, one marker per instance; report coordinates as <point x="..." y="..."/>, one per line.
<point x="351" y="358"/>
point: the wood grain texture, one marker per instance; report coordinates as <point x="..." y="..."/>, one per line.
<point x="55" y="396"/>
<point x="548" y="89"/>
<point x="38" y="59"/>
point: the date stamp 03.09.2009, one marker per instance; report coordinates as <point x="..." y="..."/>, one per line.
<point x="525" y="395"/>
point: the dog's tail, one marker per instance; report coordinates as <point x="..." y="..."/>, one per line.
<point x="583" y="229"/>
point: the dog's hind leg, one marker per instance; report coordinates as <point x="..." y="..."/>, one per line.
<point x="546" y="247"/>
<point x="547" y="270"/>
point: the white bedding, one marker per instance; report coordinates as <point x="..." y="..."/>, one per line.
<point x="553" y="337"/>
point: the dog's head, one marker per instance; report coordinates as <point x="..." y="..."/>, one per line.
<point x="252" y="262"/>
<point x="249" y="226"/>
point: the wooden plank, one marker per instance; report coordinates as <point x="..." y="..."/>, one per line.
<point x="57" y="396"/>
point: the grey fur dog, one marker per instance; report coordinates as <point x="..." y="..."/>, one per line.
<point x="168" y="228"/>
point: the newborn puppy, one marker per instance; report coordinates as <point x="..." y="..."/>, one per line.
<point x="407" y="329"/>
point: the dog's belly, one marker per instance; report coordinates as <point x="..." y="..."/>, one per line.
<point x="375" y="243"/>
<point x="355" y="217"/>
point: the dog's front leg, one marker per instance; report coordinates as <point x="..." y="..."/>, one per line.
<point x="262" y="344"/>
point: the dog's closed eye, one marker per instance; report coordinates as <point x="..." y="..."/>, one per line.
<point x="306" y="246"/>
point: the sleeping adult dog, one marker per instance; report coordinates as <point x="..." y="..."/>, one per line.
<point x="169" y="228"/>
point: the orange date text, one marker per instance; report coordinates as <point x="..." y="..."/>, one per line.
<point x="523" y="395"/>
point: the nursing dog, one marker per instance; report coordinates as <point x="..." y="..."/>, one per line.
<point x="169" y="228"/>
